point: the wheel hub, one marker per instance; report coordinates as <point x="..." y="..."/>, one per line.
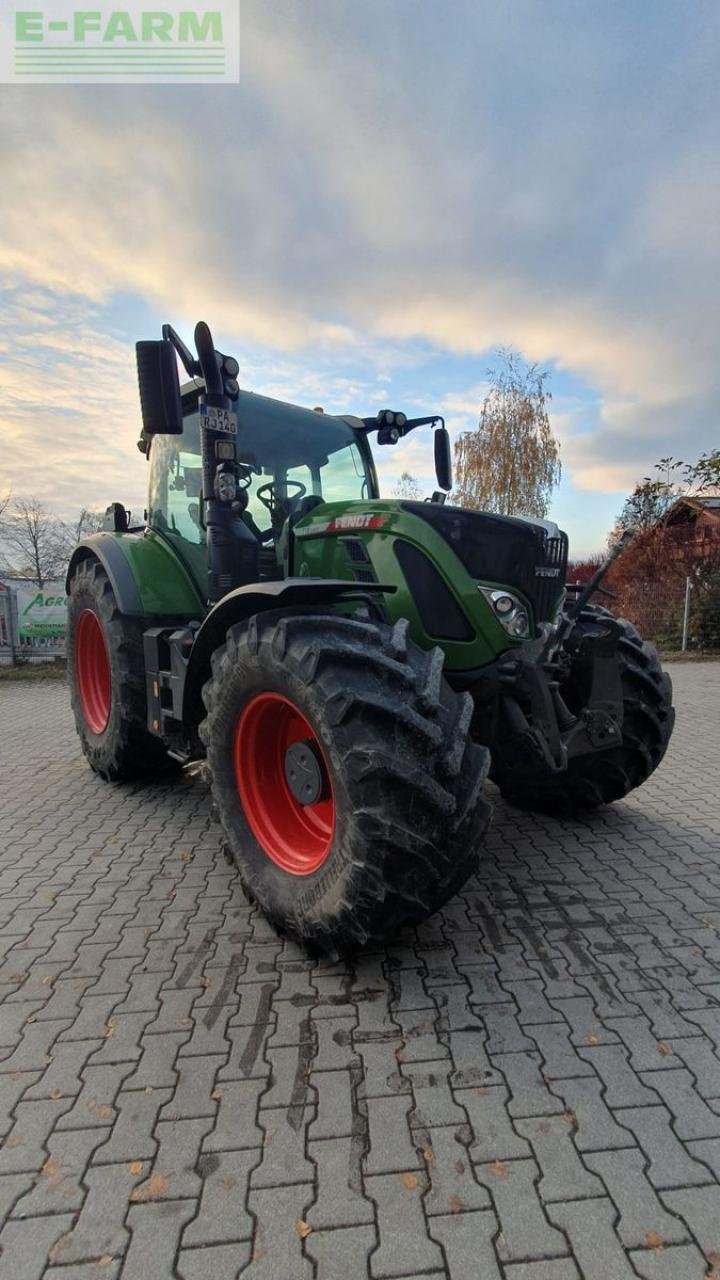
<point x="303" y="772"/>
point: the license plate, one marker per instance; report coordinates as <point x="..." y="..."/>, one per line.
<point x="219" y="419"/>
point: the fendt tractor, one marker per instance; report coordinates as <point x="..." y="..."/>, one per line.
<point x="350" y="668"/>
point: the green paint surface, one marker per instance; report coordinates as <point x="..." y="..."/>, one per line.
<point x="321" y="554"/>
<point x="164" y="584"/>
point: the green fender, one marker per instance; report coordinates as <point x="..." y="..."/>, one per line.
<point x="148" y="578"/>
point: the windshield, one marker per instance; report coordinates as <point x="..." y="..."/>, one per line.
<point x="296" y="451"/>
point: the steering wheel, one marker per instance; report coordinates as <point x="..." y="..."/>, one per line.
<point x="266" y="494"/>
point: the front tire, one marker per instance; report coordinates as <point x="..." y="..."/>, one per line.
<point x="106" y="669"/>
<point x="648" y="719"/>
<point x="343" y="773"/>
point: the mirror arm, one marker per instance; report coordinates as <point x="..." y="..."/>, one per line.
<point x="187" y="359"/>
<point x="431" y="421"/>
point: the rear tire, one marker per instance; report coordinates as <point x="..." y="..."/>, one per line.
<point x="401" y="812"/>
<point x="648" y="719"/>
<point x="106" y="669"/>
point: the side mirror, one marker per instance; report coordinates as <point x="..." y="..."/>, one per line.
<point x="116" y="518"/>
<point x="443" y="458"/>
<point x="159" y="388"/>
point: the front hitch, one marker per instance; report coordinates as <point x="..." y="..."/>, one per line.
<point x="536" y="729"/>
<point x="599" y="724"/>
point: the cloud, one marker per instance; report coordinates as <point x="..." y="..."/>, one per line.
<point x="386" y="182"/>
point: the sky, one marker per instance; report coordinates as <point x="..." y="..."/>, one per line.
<point x="395" y="189"/>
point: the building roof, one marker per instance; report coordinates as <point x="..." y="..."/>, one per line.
<point x="698" y="505"/>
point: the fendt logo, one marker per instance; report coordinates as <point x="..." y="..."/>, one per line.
<point x="131" y="44"/>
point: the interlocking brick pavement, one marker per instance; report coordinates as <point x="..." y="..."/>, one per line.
<point x="527" y="1087"/>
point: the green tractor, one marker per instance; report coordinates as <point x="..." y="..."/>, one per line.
<point x="350" y="668"/>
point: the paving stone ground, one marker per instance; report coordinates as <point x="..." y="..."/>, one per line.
<point x="525" y="1088"/>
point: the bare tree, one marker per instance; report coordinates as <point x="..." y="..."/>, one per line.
<point x="86" y="523"/>
<point x="37" y="539"/>
<point x="4" y="503"/>
<point x="511" y="463"/>
<point x="407" y="487"/>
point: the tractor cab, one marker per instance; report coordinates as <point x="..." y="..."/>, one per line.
<point x="288" y="460"/>
<point x="232" y="472"/>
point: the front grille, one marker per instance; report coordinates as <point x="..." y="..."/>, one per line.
<point x="503" y="549"/>
<point x="550" y="576"/>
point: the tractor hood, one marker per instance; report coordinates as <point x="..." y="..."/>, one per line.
<point x="520" y="552"/>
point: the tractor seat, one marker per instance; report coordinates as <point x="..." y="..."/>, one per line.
<point x="301" y="506"/>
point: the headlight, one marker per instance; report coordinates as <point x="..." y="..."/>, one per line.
<point x="519" y="625"/>
<point x="503" y="604"/>
<point x="509" y="611"/>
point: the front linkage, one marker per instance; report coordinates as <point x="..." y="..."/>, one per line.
<point x="578" y="716"/>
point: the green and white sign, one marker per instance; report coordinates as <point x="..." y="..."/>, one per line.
<point x="42" y="613"/>
<point x="57" y="43"/>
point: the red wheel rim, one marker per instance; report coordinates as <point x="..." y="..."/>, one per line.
<point x="92" y="671"/>
<point x="295" y="836"/>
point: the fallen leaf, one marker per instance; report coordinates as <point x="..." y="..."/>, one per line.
<point x="106" y="1260"/>
<point x="136" y="1166"/>
<point x="303" y="1228"/>
<point x="55" y="1094"/>
<point x="47" y="980"/>
<point x="713" y="1258"/>
<point x="592" y="1039"/>
<point x="52" y="1171"/>
<point x="185" y="1022"/>
<point x="104" y="1112"/>
<point x="499" y="1169"/>
<point x="427" y="1154"/>
<point x="216" y="1095"/>
<point x="455" y="1204"/>
<point x="205" y="982"/>
<point x="481" y="1090"/>
<point x="653" y="1240"/>
<point x="459" y="1166"/>
<point x="59" y="1247"/>
<point x="155" y="1186"/>
<point x="187" y="857"/>
<point x="109" y="1030"/>
<point x="664" y="1049"/>
<point x="148" y="1088"/>
<point x="570" y="1118"/>
<point x="410" y="1181"/>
